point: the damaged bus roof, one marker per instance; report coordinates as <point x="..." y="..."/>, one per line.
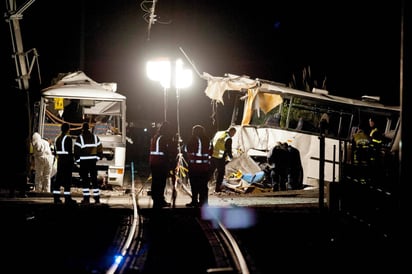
<point x="78" y="86"/>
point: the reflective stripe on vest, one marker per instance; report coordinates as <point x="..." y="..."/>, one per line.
<point x="83" y="145"/>
<point x="157" y="148"/>
<point x="62" y="150"/>
<point x="198" y="157"/>
<point x="371" y="135"/>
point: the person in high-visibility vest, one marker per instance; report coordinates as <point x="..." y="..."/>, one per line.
<point x="65" y="159"/>
<point x="360" y="147"/>
<point x="375" y="137"/>
<point x="88" y="149"/>
<point x="222" y="153"/>
<point x="198" y="152"/>
<point x="374" y="133"/>
<point x="162" y="160"/>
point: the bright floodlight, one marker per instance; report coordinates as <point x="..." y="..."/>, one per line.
<point x="159" y="70"/>
<point x="183" y="76"/>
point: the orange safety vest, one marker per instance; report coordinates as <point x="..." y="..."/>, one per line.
<point x="159" y="151"/>
<point x="198" y="156"/>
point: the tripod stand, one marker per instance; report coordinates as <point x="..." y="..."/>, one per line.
<point x="181" y="165"/>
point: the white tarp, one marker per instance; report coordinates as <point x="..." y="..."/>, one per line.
<point x="217" y="86"/>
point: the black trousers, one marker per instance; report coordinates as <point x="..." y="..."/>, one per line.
<point x="200" y="190"/>
<point x="219" y="165"/>
<point x="64" y="173"/>
<point x="159" y="179"/>
<point x="88" y="174"/>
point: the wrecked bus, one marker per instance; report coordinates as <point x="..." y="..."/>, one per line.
<point x="75" y="99"/>
<point x="266" y="113"/>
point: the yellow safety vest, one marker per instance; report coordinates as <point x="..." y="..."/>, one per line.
<point x="219" y="144"/>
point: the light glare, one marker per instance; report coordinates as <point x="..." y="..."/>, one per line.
<point x="159" y="70"/>
<point x="183" y="76"/>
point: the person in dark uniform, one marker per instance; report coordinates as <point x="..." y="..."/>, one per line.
<point x="222" y="154"/>
<point x="87" y="151"/>
<point x="295" y="176"/>
<point x="197" y="153"/>
<point x="162" y="160"/>
<point x="65" y="160"/>
<point x="287" y="170"/>
<point x="279" y="160"/>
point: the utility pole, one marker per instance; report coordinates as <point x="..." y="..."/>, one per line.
<point x="24" y="67"/>
<point x="23" y="64"/>
<point x="13" y="17"/>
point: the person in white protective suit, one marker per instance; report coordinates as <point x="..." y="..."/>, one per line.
<point x="43" y="163"/>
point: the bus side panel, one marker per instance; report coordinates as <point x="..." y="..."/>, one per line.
<point x="313" y="158"/>
<point x="114" y="159"/>
<point x="116" y="172"/>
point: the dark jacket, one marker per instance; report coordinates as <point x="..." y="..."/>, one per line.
<point x="88" y="146"/>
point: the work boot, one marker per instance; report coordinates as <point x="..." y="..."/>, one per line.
<point x="161" y="204"/>
<point x="192" y="204"/>
<point x="57" y="199"/>
<point x="85" y="201"/>
<point x="165" y="204"/>
<point x="97" y="199"/>
<point x="69" y="201"/>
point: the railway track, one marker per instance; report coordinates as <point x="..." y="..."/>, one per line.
<point x="120" y="237"/>
<point x="176" y="240"/>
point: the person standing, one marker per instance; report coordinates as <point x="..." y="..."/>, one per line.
<point x="375" y="138"/>
<point x="65" y="160"/>
<point x="198" y="152"/>
<point x="324" y="124"/>
<point x="222" y="153"/>
<point x="162" y="160"/>
<point x="87" y="151"/>
<point x="374" y="133"/>
<point x="278" y="159"/>
<point x="360" y="147"/>
<point x="43" y="163"/>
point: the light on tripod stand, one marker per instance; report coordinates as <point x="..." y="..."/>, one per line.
<point x="161" y="71"/>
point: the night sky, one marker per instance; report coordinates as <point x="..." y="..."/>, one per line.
<point x="355" y="45"/>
